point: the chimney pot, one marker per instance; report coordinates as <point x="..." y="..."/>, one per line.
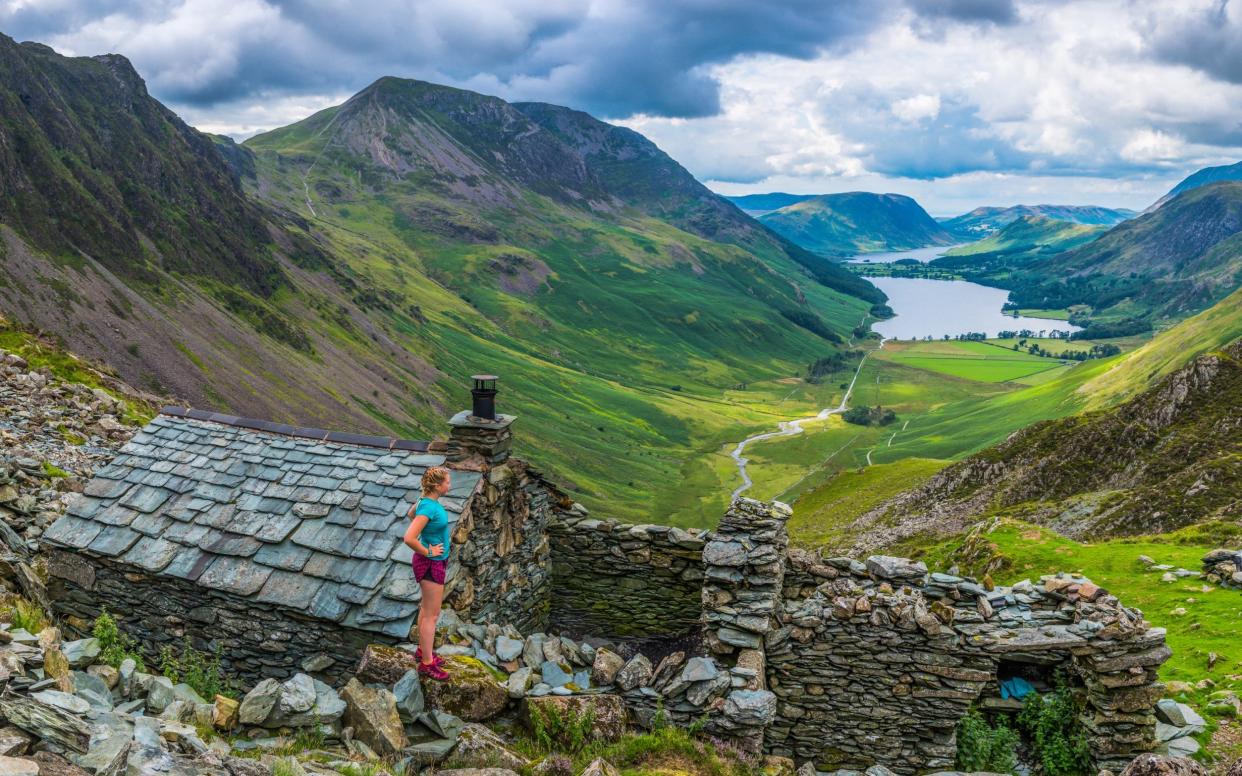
<point x="484" y="396"/>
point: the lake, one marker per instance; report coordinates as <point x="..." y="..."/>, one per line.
<point x="938" y="307"/>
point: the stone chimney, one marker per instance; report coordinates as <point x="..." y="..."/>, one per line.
<point x="480" y="431"/>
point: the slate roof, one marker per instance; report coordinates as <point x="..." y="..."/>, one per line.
<point x="287" y="519"/>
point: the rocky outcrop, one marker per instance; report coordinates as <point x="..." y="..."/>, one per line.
<point x="472" y="693"/>
<point x="1223" y="567"/>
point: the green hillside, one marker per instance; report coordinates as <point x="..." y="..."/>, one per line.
<point x="1026" y="238"/>
<point x="856" y="222"/>
<point x="376" y="254"/>
<point x="984" y="221"/>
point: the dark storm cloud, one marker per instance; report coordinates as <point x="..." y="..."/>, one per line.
<point x="610" y="58"/>
<point x="1209" y="40"/>
<point x="994" y="11"/>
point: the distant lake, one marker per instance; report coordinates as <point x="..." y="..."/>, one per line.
<point x="922" y="254"/>
<point x="938" y="307"/>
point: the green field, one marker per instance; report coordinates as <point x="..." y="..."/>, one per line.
<point x="972" y="360"/>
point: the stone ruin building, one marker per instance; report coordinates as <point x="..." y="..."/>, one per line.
<point x="282" y="547"/>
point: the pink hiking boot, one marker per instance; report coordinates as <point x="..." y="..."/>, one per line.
<point x="432" y="671"/>
<point x="418" y="655"/>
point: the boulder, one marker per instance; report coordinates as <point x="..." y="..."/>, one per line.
<point x="46" y="721"/>
<point x="607" y="664"/>
<point x="508" y="649"/>
<point x="478" y="747"/>
<point x="607" y="710"/>
<point x="225" y="713"/>
<point x="13" y="741"/>
<point x="372" y="713"/>
<point x="56" y="666"/>
<point x="1160" y="765"/>
<point x="471" y="692"/>
<point x="636" y="673"/>
<point x="18" y="766"/>
<point x="110" y="676"/>
<point x="82" y="652"/>
<point x="51" y="764"/>
<point x="519" y="682"/>
<point x="382" y="664"/>
<point x="305" y="701"/>
<point x="897" y="569"/>
<point x="259" y="702"/>
<point x="555" y="673"/>
<point x="752" y="708"/>
<point x="600" y="767"/>
<point x="408" y="692"/>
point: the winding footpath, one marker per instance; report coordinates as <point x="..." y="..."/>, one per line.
<point x="791" y="427"/>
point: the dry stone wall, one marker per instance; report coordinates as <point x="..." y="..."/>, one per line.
<point x="256" y="640"/>
<point x="875" y="662"/>
<point x="503" y="551"/>
<point x="622" y="580"/>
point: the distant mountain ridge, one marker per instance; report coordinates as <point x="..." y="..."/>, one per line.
<point x="758" y="204"/>
<point x="1228" y="172"/>
<point x="856" y="222"/>
<point x="983" y="221"/>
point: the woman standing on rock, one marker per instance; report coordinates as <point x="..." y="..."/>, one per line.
<point x="428" y="536"/>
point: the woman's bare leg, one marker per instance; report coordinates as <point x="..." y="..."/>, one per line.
<point x="428" y="615"/>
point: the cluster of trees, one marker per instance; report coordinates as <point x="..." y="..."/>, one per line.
<point x="820" y="368"/>
<point x="1029" y="333"/>
<point x="1096" y="351"/>
<point x="869" y="416"/>
<point x="1117" y="329"/>
<point x="812" y="323"/>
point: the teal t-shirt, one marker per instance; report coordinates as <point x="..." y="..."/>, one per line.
<point x="437" y="529"/>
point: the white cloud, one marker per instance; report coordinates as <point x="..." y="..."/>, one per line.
<point x="920" y="106"/>
<point x="1152" y="145"/>
<point x="948" y="98"/>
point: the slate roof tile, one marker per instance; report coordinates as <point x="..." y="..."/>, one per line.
<point x="284" y="555"/>
<point x="115" y="515"/>
<point x="234" y="575"/>
<point x="232" y="544"/>
<point x="113" y="540"/>
<point x="151" y="525"/>
<point x="71" y="531"/>
<point x="152" y="554"/>
<point x="285" y="520"/>
<point x="287" y="588"/>
<point x="189" y="564"/>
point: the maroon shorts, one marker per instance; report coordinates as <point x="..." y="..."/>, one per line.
<point x="428" y="568"/>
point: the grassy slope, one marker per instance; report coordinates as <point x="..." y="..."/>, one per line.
<point x="1032" y="234"/>
<point x="620" y="357"/>
<point x="1210" y="329"/>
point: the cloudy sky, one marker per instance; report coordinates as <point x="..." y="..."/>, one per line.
<point x="956" y="102"/>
